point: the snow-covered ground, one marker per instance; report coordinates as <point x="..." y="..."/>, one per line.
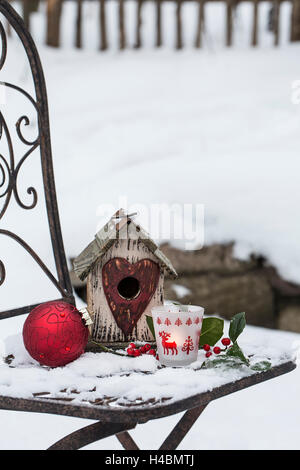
<point x="230" y="422"/>
<point x="215" y="126"/>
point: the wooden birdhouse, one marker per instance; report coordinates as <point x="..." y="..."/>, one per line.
<point x="125" y="278"/>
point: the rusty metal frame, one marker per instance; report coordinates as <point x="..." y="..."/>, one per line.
<point x="10" y="170"/>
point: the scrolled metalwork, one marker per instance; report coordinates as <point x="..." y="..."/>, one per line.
<point x="2" y="273"/>
<point x="4" y="176"/>
<point x="26" y="122"/>
<point x="11" y="170"/>
<point x="3" y="46"/>
<point x="32" y="253"/>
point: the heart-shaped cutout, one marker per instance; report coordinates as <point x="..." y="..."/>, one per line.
<point x="128" y="289"/>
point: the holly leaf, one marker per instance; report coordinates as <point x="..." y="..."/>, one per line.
<point x="224" y="362"/>
<point x="149" y="321"/>
<point x="237" y="324"/>
<point x="211" y="331"/>
<point x="235" y="351"/>
<point x="184" y="308"/>
<point x="261" y="366"/>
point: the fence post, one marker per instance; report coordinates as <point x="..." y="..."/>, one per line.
<point x="102" y="18"/>
<point x="78" y="39"/>
<point x="228" y="23"/>
<point x="158" y="24"/>
<point x="276" y="6"/>
<point x="295" y="21"/>
<point x="54" y="9"/>
<point x="122" y="40"/>
<point x="29" y="6"/>
<point x="178" y="25"/>
<point x="255" y="24"/>
<point x="26" y="13"/>
<point x="138" y="41"/>
<point x="200" y="26"/>
<point x="8" y="28"/>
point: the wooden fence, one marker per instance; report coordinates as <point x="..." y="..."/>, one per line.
<point x="54" y="11"/>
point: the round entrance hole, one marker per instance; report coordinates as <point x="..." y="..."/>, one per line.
<point x="129" y="288"/>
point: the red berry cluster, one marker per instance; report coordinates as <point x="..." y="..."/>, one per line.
<point x="225" y="341"/>
<point x="135" y="351"/>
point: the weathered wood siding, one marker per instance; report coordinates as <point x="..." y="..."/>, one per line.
<point x="105" y="329"/>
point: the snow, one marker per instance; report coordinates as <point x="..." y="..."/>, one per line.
<point x="107" y="374"/>
<point x="214" y="127"/>
<point x="180" y="291"/>
<point x="270" y="402"/>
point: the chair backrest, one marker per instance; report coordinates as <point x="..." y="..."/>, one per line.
<point x="9" y="167"/>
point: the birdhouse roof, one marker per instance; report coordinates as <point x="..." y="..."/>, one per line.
<point x="120" y="226"/>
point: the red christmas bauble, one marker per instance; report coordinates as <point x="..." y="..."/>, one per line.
<point x="54" y="333"/>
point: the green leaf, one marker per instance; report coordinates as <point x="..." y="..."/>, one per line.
<point x="237" y="325"/>
<point x="183" y="308"/>
<point x="261" y="366"/>
<point x="211" y="331"/>
<point x="149" y="321"/>
<point x="224" y="362"/>
<point x="235" y="351"/>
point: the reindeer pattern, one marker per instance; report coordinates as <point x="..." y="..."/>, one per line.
<point x="172" y="346"/>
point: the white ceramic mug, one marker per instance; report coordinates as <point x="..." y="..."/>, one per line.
<point x="177" y="331"/>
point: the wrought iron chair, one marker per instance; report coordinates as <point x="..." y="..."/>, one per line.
<point x="10" y="169"/>
<point x="109" y="421"/>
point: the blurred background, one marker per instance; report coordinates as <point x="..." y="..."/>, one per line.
<point x="175" y="102"/>
<point x="195" y="23"/>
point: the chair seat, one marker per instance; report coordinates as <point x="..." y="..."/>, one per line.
<point x="118" y="388"/>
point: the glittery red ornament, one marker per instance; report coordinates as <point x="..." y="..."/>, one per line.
<point x="54" y="333"/>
